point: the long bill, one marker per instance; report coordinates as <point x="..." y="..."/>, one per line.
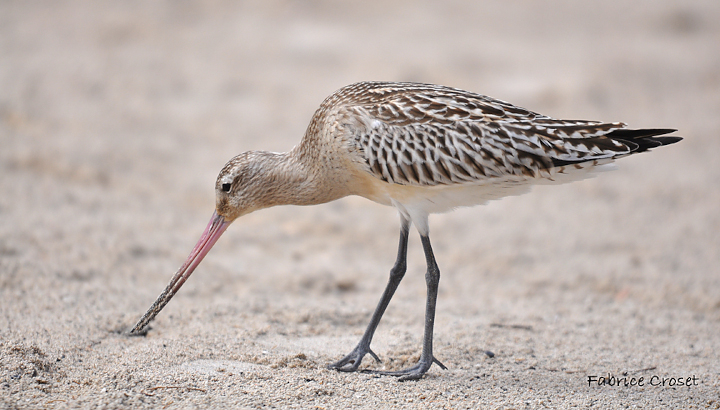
<point x="212" y="233"/>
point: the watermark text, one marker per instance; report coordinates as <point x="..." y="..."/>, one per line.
<point x="654" y="381"/>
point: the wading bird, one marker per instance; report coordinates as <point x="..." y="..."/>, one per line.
<point x="422" y="149"/>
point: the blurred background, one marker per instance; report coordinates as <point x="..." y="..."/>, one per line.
<point x="115" y="118"/>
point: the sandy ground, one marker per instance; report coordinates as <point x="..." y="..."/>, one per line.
<point x="115" y="118"/>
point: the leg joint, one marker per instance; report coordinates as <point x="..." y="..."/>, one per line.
<point x="432" y="276"/>
<point x="398" y="271"/>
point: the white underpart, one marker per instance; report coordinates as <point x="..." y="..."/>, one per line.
<point x="417" y="204"/>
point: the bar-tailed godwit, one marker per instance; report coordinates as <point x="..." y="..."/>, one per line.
<point x="422" y="149"/>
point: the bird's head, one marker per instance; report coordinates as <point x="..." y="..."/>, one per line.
<point x="243" y="186"/>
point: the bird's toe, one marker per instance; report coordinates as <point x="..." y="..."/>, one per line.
<point x="351" y="362"/>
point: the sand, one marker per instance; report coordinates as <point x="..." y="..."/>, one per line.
<point x="115" y="118"/>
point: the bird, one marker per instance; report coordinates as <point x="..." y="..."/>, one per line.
<point x="422" y="149"/>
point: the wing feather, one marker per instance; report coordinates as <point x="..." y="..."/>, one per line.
<point x="427" y="135"/>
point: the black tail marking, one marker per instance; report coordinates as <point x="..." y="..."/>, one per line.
<point x="637" y="140"/>
<point x="645" y="139"/>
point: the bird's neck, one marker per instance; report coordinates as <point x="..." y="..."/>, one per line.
<point x="300" y="179"/>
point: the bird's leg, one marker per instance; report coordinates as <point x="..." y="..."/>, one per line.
<point x="351" y="362"/>
<point x="432" y="278"/>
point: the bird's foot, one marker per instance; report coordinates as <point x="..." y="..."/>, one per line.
<point x="413" y="373"/>
<point x="351" y="362"/>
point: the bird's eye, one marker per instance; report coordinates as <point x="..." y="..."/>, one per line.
<point x="226" y="187"/>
